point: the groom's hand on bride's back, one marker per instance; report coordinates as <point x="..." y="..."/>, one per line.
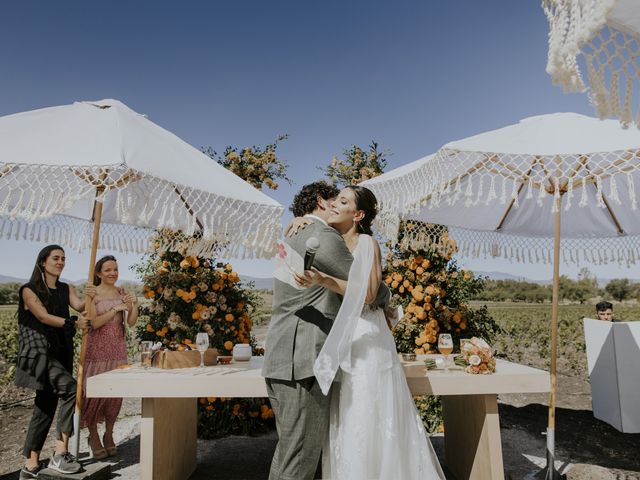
<point x="297" y="224"/>
<point x="383" y="297"/>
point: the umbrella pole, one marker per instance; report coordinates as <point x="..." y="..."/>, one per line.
<point x="90" y="311"/>
<point x="550" y="470"/>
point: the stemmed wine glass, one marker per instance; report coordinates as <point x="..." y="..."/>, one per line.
<point x="202" y="341"/>
<point x="445" y="346"/>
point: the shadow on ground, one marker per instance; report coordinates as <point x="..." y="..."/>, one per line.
<point x="580" y="438"/>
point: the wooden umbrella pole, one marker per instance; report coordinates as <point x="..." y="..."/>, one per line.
<point x="550" y="473"/>
<point x="90" y="311"/>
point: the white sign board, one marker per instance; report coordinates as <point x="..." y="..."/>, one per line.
<point x="613" y="356"/>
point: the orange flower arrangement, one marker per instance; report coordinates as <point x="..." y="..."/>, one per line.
<point x="186" y="295"/>
<point x="434" y="293"/>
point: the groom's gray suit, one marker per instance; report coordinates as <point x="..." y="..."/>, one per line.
<point x="300" y="322"/>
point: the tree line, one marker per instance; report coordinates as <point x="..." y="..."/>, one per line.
<point x="9" y="291"/>
<point x="581" y="290"/>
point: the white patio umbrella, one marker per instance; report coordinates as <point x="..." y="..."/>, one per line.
<point x="605" y="35"/>
<point x="550" y="187"/>
<point x="99" y="175"/>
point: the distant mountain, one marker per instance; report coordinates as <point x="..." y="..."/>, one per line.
<point x="508" y="276"/>
<point x="8" y="279"/>
<point x="602" y="282"/>
<point x="260" y="283"/>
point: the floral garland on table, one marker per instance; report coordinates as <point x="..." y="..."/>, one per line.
<point x="476" y="357"/>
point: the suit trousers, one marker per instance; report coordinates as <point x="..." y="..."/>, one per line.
<point x="60" y="386"/>
<point x="302" y="420"/>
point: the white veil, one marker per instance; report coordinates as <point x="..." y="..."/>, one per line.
<point x="336" y="351"/>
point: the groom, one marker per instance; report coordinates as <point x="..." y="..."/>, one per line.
<point x="300" y="322"/>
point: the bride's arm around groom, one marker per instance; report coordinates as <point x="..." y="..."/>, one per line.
<point x="300" y="322"/>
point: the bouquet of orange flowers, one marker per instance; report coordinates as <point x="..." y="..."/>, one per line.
<point x="476" y="357"/>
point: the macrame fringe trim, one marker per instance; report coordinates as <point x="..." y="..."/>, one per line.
<point x="623" y="251"/>
<point x="579" y="27"/>
<point x="34" y="201"/>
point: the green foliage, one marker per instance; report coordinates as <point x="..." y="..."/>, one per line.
<point x="581" y="290"/>
<point x="620" y="288"/>
<point x="256" y="165"/>
<point x="262" y="312"/>
<point x="9" y="293"/>
<point x="513" y="290"/>
<point x="8" y="340"/>
<point x="357" y="165"/>
<point x="430" y="411"/>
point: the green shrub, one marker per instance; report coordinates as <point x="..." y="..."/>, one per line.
<point x="8" y="340"/>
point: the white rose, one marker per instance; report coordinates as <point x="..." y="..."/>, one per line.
<point x="475" y="360"/>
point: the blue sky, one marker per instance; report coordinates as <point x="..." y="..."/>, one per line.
<point x="409" y="74"/>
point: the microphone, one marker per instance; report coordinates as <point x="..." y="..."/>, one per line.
<point x="312" y="245"/>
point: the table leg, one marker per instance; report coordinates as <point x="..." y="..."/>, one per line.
<point x="168" y="438"/>
<point x="472" y="442"/>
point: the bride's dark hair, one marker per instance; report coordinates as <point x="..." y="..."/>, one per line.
<point x="368" y="203"/>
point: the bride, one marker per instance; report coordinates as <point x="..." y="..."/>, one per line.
<point x="375" y="431"/>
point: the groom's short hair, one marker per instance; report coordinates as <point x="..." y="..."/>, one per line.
<point x="306" y="201"/>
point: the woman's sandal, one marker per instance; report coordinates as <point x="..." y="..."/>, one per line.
<point x="99" y="453"/>
<point x="111" y="451"/>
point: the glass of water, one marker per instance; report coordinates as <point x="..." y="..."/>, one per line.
<point x="202" y="341"/>
<point x="146" y="353"/>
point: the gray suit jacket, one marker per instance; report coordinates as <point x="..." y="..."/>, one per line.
<point x="301" y="319"/>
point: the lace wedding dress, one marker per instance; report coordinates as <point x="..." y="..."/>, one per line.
<point x="375" y="431"/>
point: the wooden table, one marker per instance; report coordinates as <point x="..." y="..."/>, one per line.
<point x="169" y="410"/>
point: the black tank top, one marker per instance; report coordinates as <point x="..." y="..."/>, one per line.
<point x="56" y="301"/>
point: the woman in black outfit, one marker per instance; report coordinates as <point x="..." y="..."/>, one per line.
<point x="45" y="358"/>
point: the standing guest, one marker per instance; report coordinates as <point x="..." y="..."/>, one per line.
<point x="106" y="350"/>
<point x="604" y="310"/>
<point x="45" y="359"/>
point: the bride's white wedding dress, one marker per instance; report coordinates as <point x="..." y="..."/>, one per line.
<point x="375" y="431"/>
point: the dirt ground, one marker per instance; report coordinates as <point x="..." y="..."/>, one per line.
<point x="587" y="449"/>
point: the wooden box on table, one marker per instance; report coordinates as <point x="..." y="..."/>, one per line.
<point x="169" y="359"/>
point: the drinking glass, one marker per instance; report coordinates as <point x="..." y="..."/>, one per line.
<point x="202" y="341"/>
<point x="445" y="346"/>
<point x="145" y="353"/>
